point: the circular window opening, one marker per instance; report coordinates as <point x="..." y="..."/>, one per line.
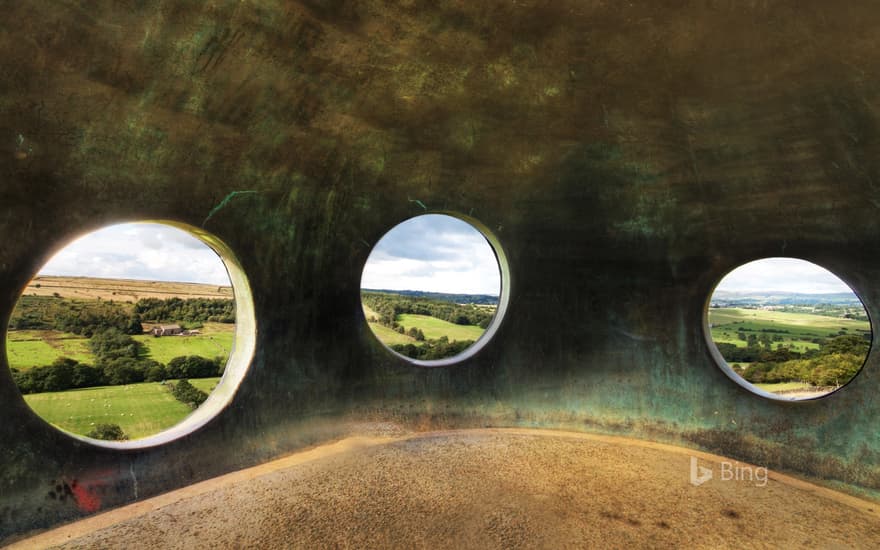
<point x="133" y="335"/>
<point x="434" y="289"/>
<point x="788" y="329"/>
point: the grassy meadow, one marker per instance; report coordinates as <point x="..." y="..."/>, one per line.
<point x="386" y="335"/>
<point x="27" y="348"/>
<point x="139" y="409"/>
<point x="207" y="385"/>
<point x="435" y="328"/>
<point x="785" y="387"/>
<point x="389" y="336"/>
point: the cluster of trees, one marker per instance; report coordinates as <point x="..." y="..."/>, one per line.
<point x="834" y="363"/>
<point x="63" y="374"/>
<point x="833" y="369"/>
<point x="389" y="306"/>
<point x="188" y="394"/>
<point x="89" y="317"/>
<point x="195" y="366"/>
<point x="85" y="318"/>
<point x="190" y="310"/>
<point x="481" y="299"/>
<point x="108" y="432"/>
<point x="433" y="349"/>
<point x="121" y="359"/>
<point x="113" y="369"/>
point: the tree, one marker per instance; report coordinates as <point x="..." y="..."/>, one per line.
<point x="107" y="432"/>
<point x="134" y="326"/>
<point x="851" y="344"/>
<point x="185" y="392"/>
<point x="87" y="376"/>
<point x="156" y="373"/>
<point x="111" y="344"/>
<point x="220" y="362"/>
<point x="752" y="341"/>
<point x="59" y="375"/>
<point x="191" y="311"/>
<point x="124" y="370"/>
<point x="192" y="366"/>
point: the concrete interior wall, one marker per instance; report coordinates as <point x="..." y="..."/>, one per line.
<point x="625" y="155"/>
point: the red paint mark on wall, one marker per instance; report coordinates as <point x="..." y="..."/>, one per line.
<point x="88" y="490"/>
<point x="86" y="499"/>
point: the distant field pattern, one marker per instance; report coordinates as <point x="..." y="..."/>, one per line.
<point x="796" y="330"/>
<point x="90" y="288"/>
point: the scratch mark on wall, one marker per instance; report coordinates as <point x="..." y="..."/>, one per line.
<point x="633" y="335"/>
<point x="134" y="479"/>
<point x="224" y="202"/>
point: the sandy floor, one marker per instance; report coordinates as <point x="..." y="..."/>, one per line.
<point x="485" y="489"/>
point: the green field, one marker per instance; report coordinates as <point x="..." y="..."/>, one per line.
<point x="369" y="313"/>
<point x="140" y="409"/>
<point x="785" y="386"/>
<point x="389" y="336"/>
<point x="28" y="348"/>
<point x="795" y="330"/>
<point x="167" y="348"/>
<point x="207" y="385"/>
<point x="435" y="328"/>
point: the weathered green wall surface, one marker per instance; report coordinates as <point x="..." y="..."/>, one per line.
<point x="625" y="154"/>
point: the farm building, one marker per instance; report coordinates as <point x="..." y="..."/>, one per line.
<point x="620" y="157"/>
<point x="166" y="330"/>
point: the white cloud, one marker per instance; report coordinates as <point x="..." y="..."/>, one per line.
<point x="782" y="274"/>
<point x="433" y="253"/>
<point x="145" y="251"/>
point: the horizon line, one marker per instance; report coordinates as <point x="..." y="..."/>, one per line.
<point x="38" y="275"/>
<point x="431" y="291"/>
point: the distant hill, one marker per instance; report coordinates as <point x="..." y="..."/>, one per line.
<point x="480" y="299"/>
<point x="93" y="288"/>
<point x="780" y="298"/>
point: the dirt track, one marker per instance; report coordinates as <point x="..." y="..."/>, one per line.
<point x="484" y="489"/>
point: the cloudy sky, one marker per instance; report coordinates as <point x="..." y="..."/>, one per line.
<point x="434" y="253"/>
<point x="145" y="251"/>
<point x="782" y="274"/>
